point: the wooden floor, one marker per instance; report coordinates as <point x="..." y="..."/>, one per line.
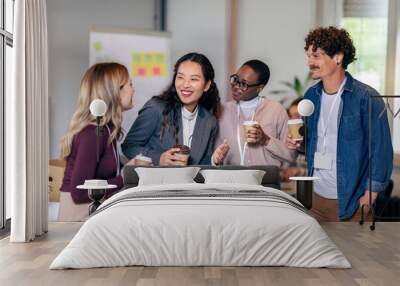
<point x="374" y="255"/>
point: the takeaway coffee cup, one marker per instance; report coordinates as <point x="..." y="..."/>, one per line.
<point x="247" y="126"/>
<point x="184" y="152"/>
<point x="142" y="160"/>
<point x="294" y="126"/>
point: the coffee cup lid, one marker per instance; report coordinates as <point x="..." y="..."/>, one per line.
<point x="250" y="122"/>
<point x="143" y="158"/>
<point x="295" y="121"/>
<point x="95" y="185"/>
<point x="183" y="148"/>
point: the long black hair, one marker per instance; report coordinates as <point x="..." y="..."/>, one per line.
<point x="210" y="99"/>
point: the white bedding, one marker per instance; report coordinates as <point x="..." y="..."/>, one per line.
<point x="190" y="230"/>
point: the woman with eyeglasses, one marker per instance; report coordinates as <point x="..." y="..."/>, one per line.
<point x="252" y="128"/>
<point x="181" y="120"/>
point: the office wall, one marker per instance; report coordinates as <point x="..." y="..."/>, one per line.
<point x="270" y="30"/>
<point x="200" y="26"/>
<point x="274" y="32"/>
<point x="69" y="22"/>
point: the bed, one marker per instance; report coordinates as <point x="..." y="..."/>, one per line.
<point x="201" y="224"/>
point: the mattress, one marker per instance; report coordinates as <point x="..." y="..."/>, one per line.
<point x="201" y="225"/>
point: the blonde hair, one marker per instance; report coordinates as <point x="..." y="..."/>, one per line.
<point x="102" y="81"/>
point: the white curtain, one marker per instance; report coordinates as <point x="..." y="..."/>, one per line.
<point x="27" y="123"/>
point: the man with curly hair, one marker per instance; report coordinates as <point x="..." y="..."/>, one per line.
<point x="337" y="140"/>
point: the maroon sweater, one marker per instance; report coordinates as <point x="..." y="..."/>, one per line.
<point x="82" y="163"/>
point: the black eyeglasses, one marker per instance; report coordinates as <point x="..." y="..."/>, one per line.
<point x="235" y="80"/>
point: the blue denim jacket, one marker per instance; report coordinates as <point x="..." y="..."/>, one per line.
<point x="352" y="144"/>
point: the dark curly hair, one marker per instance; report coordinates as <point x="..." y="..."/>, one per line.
<point x="210" y="99"/>
<point x="333" y="41"/>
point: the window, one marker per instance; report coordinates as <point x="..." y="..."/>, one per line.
<point x="6" y="60"/>
<point x="373" y="25"/>
<point x="367" y="23"/>
<point x="9" y="15"/>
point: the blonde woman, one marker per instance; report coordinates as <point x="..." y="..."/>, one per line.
<point x="111" y="83"/>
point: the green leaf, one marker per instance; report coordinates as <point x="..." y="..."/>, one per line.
<point x="297" y="85"/>
<point x="288" y="84"/>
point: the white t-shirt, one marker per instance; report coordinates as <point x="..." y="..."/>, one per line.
<point x="249" y="107"/>
<point x="188" y="123"/>
<point x="326" y="186"/>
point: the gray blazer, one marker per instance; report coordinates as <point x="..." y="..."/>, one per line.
<point x="144" y="135"/>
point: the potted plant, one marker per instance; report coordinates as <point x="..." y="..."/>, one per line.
<point x="296" y="88"/>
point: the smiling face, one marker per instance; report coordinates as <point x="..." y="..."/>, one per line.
<point x="190" y="84"/>
<point x="126" y="95"/>
<point x="248" y="75"/>
<point x="322" y="65"/>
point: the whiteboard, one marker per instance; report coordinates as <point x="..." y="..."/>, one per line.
<point x="147" y="55"/>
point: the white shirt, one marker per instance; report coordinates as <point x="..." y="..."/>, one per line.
<point x="326" y="186"/>
<point x="188" y="123"/>
<point x="248" y="107"/>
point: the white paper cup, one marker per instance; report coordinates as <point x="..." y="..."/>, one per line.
<point x="143" y="160"/>
<point x="294" y="126"/>
<point x="247" y="126"/>
<point x="96" y="183"/>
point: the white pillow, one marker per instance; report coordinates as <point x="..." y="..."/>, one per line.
<point x="249" y="177"/>
<point x="166" y="176"/>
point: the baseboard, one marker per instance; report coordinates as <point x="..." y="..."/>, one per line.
<point x="396" y="160"/>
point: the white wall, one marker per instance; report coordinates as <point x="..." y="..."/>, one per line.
<point x="200" y="26"/>
<point x="269" y="30"/>
<point x="274" y="32"/>
<point x="69" y="22"/>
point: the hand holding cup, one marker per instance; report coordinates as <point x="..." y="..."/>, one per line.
<point x="254" y="133"/>
<point x="183" y="154"/>
<point x="295" y="126"/>
<point x="141" y="160"/>
<point x="168" y="158"/>
<point x="295" y="136"/>
<point x="291" y="143"/>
